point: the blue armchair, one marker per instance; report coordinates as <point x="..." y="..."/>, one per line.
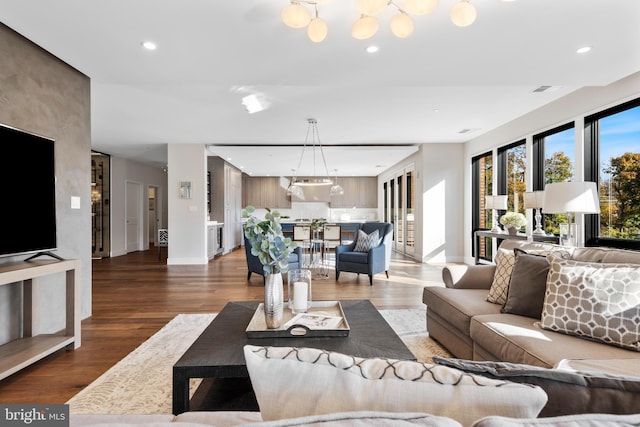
<point x="375" y="261"/>
<point x="255" y="266"/>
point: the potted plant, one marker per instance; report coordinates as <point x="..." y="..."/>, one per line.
<point x="272" y="249"/>
<point x="513" y="221"/>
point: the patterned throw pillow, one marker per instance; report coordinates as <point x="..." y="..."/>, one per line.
<point x="594" y="300"/>
<point x="294" y="382"/>
<point x="366" y="242"/>
<point x="505" y="260"/>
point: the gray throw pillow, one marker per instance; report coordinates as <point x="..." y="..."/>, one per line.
<point x="527" y="285"/>
<point x="366" y="242"/>
<point x="568" y="392"/>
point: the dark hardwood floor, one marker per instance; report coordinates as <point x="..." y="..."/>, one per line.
<point x="135" y="295"/>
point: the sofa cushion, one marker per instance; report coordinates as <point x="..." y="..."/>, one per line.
<point x="581" y="420"/>
<point x="594" y="300"/>
<point x="520" y="339"/>
<point x="363" y="419"/>
<point x="528" y="284"/>
<point x="366" y="242"/>
<point x="458" y="306"/>
<point x="293" y="382"/>
<point x="219" y="418"/>
<point x="568" y="392"/>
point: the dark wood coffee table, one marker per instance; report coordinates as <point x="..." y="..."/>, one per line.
<point x="217" y="354"/>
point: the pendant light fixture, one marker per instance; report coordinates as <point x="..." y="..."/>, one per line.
<point x="312" y="138"/>
<point x="305" y="14"/>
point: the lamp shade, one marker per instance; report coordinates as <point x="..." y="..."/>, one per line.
<point x="463" y="13"/>
<point x="488" y="202"/>
<point x="500" y="202"/>
<point x="295" y="16"/>
<point x="533" y="199"/>
<point x="401" y="25"/>
<point x="420" y="7"/>
<point x="573" y="196"/>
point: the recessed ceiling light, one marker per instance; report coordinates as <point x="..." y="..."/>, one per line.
<point x="149" y="45"/>
<point x="372" y="49"/>
<point x="436" y="110"/>
<point x="584" y="49"/>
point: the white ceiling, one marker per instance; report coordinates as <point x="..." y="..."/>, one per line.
<point x="212" y="53"/>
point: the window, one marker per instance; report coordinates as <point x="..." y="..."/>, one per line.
<point x="554" y="155"/>
<point x="482" y="169"/>
<point x="612" y="140"/>
<point x="513" y="165"/>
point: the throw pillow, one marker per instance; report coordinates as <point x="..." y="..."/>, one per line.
<point x="366" y="242"/>
<point x="594" y="300"/>
<point x="568" y="392"/>
<point x="579" y="420"/>
<point x="525" y="294"/>
<point x="360" y="419"/>
<point x="505" y="260"/>
<point x="295" y="382"/>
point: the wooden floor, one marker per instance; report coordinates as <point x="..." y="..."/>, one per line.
<point x="136" y="294"/>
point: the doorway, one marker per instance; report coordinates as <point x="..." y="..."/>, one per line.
<point x="100" y="208"/>
<point x="154" y="214"/>
<point x="134" y="223"/>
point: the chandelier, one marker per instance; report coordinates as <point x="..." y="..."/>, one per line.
<point x="305" y="13"/>
<point x="296" y="183"/>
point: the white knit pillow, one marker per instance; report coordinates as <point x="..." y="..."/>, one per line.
<point x="296" y="382"/>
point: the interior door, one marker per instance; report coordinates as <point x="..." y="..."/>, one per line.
<point x="133" y="211"/>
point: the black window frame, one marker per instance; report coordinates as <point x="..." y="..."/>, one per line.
<point x="475" y="201"/>
<point x="591" y="173"/>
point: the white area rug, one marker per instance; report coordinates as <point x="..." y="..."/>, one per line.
<point x="141" y="382"/>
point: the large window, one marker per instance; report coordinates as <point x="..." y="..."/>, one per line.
<point x="613" y="147"/>
<point x="513" y="166"/>
<point x="554" y="154"/>
<point x="482" y="184"/>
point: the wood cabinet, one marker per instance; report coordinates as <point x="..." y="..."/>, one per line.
<point x="22" y="352"/>
<point x="360" y="192"/>
<point x="265" y="192"/>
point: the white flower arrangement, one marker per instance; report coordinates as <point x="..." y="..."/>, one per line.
<point x="514" y="219"/>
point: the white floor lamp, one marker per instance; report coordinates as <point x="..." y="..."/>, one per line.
<point x="571" y="198"/>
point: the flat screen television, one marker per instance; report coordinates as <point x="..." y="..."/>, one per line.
<point x="27" y="193"/>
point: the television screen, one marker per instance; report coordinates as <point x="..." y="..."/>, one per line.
<point x="27" y="193"/>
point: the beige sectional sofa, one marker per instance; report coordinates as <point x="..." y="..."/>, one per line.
<point x="461" y="319"/>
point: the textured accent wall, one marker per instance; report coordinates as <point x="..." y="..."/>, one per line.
<point x="40" y="93"/>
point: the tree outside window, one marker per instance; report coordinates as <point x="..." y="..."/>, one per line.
<point x="619" y="145"/>
<point x="558" y="167"/>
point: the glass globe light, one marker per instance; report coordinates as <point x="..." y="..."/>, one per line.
<point x="420" y="7"/>
<point x="463" y="13"/>
<point x="401" y="25"/>
<point x="317" y="30"/>
<point x="295" y="15"/>
<point x="364" y="28"/>
<point x="371" y="7"/>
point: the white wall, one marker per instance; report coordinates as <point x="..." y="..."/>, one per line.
<point x="573" y="107"/>
<point x="187" y="217"/>
<point x="442" y="202"/>
<point x="123" y="170"/>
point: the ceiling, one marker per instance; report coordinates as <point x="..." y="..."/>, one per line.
<point x="443" y="84"/>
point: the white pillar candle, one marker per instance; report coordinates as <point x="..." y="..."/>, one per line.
<point x="300" y="295"/>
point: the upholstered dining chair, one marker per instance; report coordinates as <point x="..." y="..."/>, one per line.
<point x="332" y="237"/>
<point x="369" y="257"/>
<point x="255" y="266"/>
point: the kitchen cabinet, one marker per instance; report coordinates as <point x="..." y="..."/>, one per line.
<point x="359" y="192"/>
<point x="214" y="239"/>
<point x="265" y="192"/>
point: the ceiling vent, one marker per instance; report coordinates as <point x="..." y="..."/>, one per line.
<point x="541" y="89"/>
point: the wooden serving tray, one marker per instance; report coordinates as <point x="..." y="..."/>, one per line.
<point x="257" y="327"/>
